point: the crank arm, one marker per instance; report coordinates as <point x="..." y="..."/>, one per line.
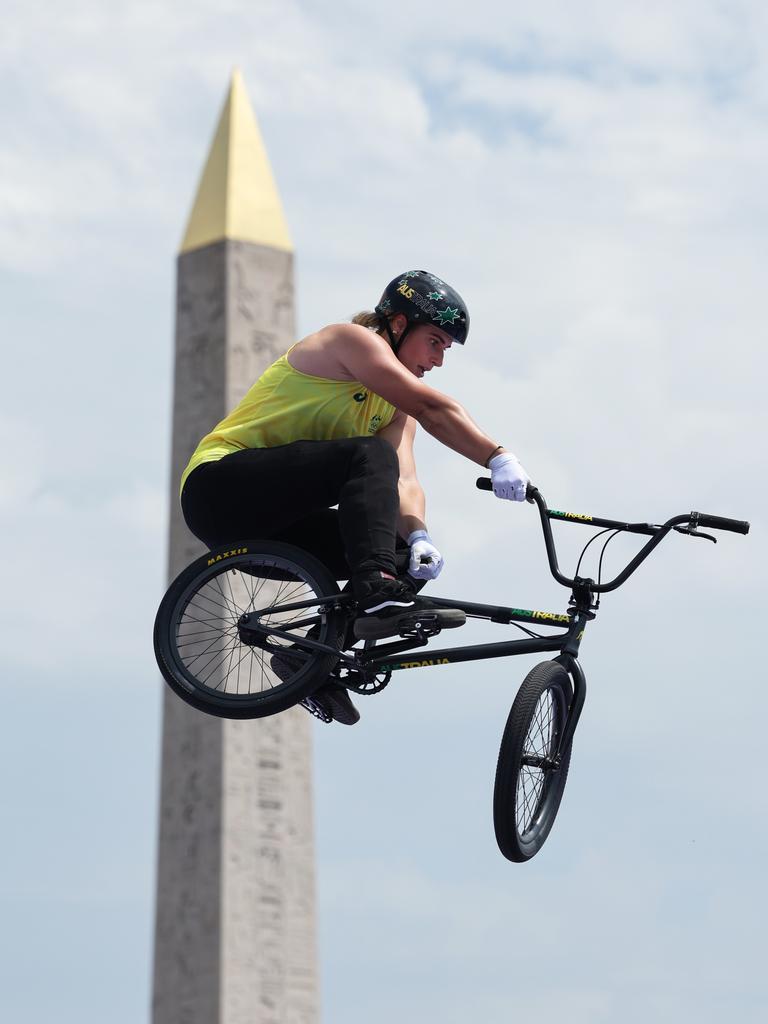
<point x="303" y="643"/>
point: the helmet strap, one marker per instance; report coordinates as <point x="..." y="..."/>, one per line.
<point x="397" y="342"/>
<point x="392" y="338"/>
<point x="394" y="342"/>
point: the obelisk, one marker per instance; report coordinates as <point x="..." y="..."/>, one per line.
<point x="235" y="913"/>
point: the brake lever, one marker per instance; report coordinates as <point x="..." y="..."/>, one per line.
<point x="693" y="532"/>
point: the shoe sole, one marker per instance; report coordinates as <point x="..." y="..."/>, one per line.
<point x="342" y="711"/>
<point x="284" y="666"/>
<point x="377" y="629"/>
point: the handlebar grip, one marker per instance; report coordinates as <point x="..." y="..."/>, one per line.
<point x="720" y="523"/>
<point x="483" y="483"/>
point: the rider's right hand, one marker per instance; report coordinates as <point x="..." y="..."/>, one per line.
<point x="508" y="478"/>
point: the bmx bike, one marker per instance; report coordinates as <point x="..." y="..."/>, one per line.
<point x="255" y="628"/>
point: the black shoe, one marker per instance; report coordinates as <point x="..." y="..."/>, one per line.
<point x="286" y="663"/>
<point x="330" y="700"/>
<point x="389" y="607"/>
<point x="336" y="702"/>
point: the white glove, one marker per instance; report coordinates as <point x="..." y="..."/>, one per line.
<point x="421" y="546"/>
<point x="508" y="478"/>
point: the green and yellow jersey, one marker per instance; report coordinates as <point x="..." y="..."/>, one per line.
<point x="286" y="405"/>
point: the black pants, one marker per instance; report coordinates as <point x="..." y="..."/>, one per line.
<point x="287" y="493"/>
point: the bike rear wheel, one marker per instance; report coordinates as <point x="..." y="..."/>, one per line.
<point x="529" y="781"/>
<point x="200" y="644"/>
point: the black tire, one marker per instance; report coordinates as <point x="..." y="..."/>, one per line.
<point x="199" y="649"/>
<point x="527" y="795"/>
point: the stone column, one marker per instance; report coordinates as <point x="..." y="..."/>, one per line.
<point x="235" y="916"/>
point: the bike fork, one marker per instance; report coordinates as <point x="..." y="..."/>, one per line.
<point x="575" y="671"/>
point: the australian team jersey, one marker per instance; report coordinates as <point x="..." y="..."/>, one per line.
<point x="286" y="405"/>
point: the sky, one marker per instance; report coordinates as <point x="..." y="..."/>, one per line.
<point x="591" y="178"/>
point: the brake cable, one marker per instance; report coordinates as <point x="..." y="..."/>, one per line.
<point x="584" y="549"/>
<point x="600" y="564"/>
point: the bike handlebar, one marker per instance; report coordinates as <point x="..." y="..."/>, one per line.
<point x="656" y="533"/>
<point x="719" y="523"/>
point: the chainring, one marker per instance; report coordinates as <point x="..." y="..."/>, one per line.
<point x="362" y="682"/>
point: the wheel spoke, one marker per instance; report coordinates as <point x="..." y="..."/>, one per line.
<point x="217" y="639"/>
<point x="211" y="644"/>
<point x="231" y="601"/>
<point x="209" y="595"/>
<point x="207" y="642"/>
<point x="222" y="657"/>
<point x="532" y="782"/>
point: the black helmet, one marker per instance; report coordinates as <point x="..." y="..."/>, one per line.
<point x="424" y="299"/>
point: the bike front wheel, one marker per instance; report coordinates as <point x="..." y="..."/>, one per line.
<point x="529" y="778"/>
<point x="212" y="661"/>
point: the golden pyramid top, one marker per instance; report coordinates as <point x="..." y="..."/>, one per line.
<point x="237" y="197"/>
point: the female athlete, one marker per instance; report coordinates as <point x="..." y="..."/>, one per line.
<point x="331" y="423"/>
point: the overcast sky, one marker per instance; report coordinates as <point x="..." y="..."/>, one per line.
<point x="591" y="177"/>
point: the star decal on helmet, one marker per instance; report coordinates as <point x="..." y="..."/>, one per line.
<point x="385" y="306"/>
<point x="434" y="295"/>
<point x="447" y="316"/>
<point x="412" y="273"/>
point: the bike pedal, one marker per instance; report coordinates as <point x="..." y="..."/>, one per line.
<point x="316" y="710"/>
<point x="421" y="628"/>
<point x="429" y="623"/>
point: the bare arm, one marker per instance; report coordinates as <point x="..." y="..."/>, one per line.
<point x="400" y="434"/>
<point x="369" y="359"/>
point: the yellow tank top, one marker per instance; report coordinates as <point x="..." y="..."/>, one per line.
<point x="286" y="405"/>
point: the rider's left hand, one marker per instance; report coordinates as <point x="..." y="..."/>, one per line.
<point x="422" y="547"/>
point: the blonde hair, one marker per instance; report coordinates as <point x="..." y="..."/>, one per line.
<point x="373" y="321"/>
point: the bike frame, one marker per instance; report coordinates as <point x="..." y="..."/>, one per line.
<point x="567" y="644"/>
<point x="583" y="604"/>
